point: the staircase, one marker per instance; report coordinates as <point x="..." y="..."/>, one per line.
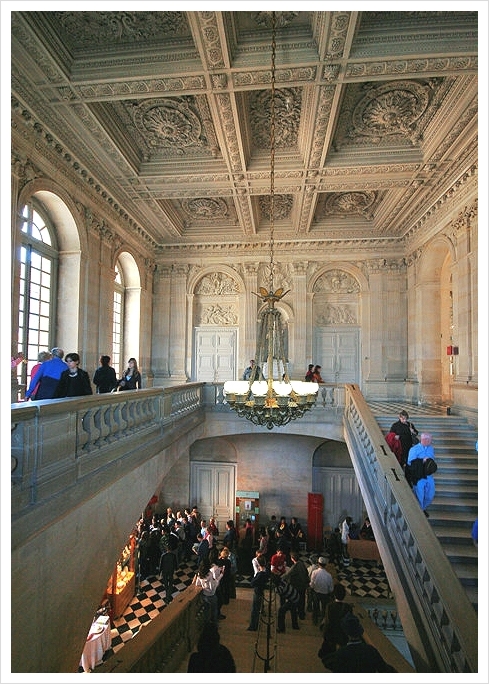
<point x="454" y="507"/>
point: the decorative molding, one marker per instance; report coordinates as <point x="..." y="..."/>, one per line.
<point x="72" y="165"/>
<point x="421" y="66"/>
<point x="212" y="43"/>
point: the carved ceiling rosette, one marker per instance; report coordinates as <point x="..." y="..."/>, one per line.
<point x="282" y="206"/>
<point x="348" y="203"/>
<point x="281" y="18"/>
<point x="205" y="208"/>
<point x="169" y="123"/>
<point x="288" y="103"/>
<point x="390" y="109"/>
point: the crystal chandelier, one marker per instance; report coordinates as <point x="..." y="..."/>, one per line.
<point x="269" y="397"/>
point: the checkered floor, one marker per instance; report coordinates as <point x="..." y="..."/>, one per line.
<point x="365" y="579"/>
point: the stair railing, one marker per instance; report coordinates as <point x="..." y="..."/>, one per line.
<point x="439" y="622"/>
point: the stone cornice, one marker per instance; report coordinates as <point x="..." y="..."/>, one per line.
<point x="55" y="151"/>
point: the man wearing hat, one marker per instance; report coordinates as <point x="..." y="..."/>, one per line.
<point x="356" y="656"/>
<point x="322" y="587"/>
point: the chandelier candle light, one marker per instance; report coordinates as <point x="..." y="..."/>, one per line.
<point x="269" y="397"/>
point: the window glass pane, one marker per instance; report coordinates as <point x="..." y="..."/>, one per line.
<point x="34" y="308"/>
<point x="44" y="339"/>
<point x="46" y="264"/>
<point x="36" y="260"/>
<point x="35" y="279"/>
<point x="33" y="322"/>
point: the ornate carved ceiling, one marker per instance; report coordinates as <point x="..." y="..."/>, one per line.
<point x="168" y="114"/>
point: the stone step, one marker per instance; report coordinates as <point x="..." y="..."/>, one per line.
<point x="461" y="553"/>
<point x="455" y="505"/>
<point x="445" y="488"/>
<point x="456" y="502"/>
<point x="453" y="530"/>
<point x="467" y="479"/>
<point x="443" y="515"/>
<point x="467" y="573"/>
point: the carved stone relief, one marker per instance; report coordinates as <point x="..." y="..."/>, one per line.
<point x="287" y="113"/>
<point x="282" y="206"/>
<point x="205" y="208"/>
<point x="348" y="204"/>
<point x="217" y="314"/>
<point x="336" y="281"/>
<point x="336" y="315"/>
<point x="216" y="284"/>
<point x="83" y="29"/>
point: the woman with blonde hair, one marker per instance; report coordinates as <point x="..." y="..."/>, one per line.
<point x="225" y="586"/>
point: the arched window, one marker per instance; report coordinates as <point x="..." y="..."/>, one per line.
<point x="38" y="257"/>
<point x="118" y="320"/>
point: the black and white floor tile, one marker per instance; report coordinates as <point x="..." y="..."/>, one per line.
<point x="365" y="579"/>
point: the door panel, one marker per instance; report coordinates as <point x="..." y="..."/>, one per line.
<point x="337" y="351"/>
<point x="212" y="489"/>
<point x="215" y="354"/>
<point x="342" y="496"/>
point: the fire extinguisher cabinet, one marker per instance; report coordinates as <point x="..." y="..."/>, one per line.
<point x="315" y="507"/>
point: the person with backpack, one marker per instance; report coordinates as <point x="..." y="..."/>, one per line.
<point x="422" y="464"/>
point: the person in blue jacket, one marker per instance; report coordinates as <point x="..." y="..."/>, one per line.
<point x="424" y="487"/>
<point x="48" y="376"/>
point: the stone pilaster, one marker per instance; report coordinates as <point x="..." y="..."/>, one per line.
<point x="249" y="327"/>
<point x="298" y="355"/>
<point x="178" y="322"/>
<point x="160" y="360"/>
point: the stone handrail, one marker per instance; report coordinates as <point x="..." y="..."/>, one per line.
<point x="438" y="619"/>
<point x="55" y="443"/>
<point x="164" y="642"/>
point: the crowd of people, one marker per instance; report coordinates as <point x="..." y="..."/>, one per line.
<point x="166" y="540"/>
<point x="55" y="377"/>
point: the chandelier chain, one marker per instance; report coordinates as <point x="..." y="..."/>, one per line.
<point x="268" y="397"/>
<point x="272" y="153"/>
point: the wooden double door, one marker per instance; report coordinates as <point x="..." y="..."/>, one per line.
<point x="212" y="489"/>
<point x="337" y="352"/>
<point x="215" y="354"/>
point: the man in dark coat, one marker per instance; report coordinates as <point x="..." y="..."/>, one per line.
<point x="356" y="656"/>
<point x="168" y="565"/>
